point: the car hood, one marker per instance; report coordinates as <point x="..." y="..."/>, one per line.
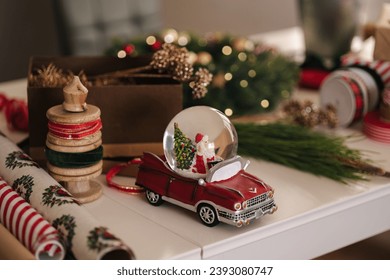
<point x="243" y="183"/>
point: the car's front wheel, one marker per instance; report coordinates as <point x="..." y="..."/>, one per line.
<point x="153" y="198"/>
<point x="208" y="215"/>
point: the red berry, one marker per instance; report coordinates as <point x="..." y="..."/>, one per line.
<point x="129" y="48"/>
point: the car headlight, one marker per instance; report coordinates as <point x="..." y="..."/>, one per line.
<point x="271" y="193"/>
<point x="237" y="206"/>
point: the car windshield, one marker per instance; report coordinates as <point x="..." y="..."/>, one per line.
<point x="225" y="169"/>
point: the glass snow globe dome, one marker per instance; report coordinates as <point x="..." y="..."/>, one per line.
<point x="196" y="139"/>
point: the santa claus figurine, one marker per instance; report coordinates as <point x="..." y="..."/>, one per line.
<point x="205" y="154"/>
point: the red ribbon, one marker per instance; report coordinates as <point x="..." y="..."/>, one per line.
<point x="16" y="113"/>
<point x="74" y="131"/>
<point x="359" y="100"/>
<point x="312" y="78"/>
<point x="118" y="168"/>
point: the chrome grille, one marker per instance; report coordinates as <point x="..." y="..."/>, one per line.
<point x="238" y="217"/>
<point x="256" y="200"/>
<point x="268" y="206"/>
<point x="247" y="215"/>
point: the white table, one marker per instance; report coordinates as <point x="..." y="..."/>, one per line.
<point x="315" y="216"/>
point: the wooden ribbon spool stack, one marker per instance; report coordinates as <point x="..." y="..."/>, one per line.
<point x="74" y="145"/>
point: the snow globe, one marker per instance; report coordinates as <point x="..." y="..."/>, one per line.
<point x="198" y="138"/>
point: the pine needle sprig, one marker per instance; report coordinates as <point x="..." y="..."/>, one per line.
<point x="304" y="149"/>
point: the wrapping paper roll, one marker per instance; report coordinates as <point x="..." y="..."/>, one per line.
<point x="81" y="233"/>
<point x="28" y="226"/>
<point x="11" y="248"/>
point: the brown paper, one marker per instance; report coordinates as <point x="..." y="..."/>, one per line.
<point x="382" y="34"/>
<point x="11" y="248"/>
<point x="382" y="43"/>
<point x="133" y="149"/>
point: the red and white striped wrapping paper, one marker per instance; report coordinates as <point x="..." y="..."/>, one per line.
<point x="28" y="226"/>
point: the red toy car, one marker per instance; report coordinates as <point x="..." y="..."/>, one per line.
<point x="228" y="194"/>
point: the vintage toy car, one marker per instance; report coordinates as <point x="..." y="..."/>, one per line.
<point x="227" y="194"/>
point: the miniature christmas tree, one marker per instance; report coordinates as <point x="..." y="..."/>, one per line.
<point x="184" y="149"/>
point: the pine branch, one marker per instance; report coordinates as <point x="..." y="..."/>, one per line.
<point x="306" y="150"/>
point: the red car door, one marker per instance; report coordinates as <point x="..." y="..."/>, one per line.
<point x="183" y="191"/>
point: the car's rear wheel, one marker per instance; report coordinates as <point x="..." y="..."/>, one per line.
<point x="153" y="198"/>
<point x="208" y="215"/>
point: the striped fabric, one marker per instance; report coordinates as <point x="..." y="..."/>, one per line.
<point x="382" y="68"/>
<point x="28" y="226"/>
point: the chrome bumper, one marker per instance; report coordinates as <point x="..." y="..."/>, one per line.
<point x="244" y="217"/>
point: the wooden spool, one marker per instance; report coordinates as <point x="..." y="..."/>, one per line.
<point x="94" y="138"/>
<point x="73" y="149"/>
<point x="78" y="181"/>
<point x="74" y="110"/>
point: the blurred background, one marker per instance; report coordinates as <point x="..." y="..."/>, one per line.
<point x="87" y="27"/>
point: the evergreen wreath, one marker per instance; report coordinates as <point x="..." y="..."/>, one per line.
<point x="96" y="239"/>
<point x="57" y="195"/>
<point x="248" y="77"/>
<point x="23" y="186"/>
<point x="65" y="225"/>
<point x="19" y="159"/>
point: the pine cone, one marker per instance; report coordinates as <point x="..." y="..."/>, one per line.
<point x="307" y="114"/>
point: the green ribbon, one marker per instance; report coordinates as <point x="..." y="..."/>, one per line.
<point x="74" y="160"/>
